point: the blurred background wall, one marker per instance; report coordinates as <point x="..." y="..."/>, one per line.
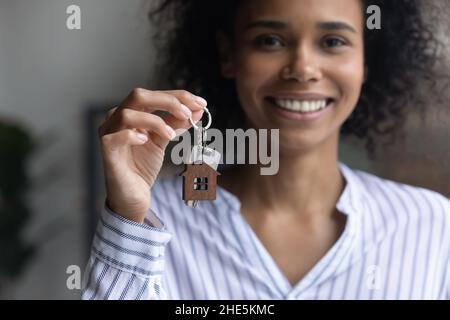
<point x="50" y="76"/>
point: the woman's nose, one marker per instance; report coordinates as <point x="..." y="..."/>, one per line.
<point x="303" y="66"/>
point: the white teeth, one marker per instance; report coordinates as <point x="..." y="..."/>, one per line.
<point x="301" y="105"/>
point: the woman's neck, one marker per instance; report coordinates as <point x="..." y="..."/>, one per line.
<point x="307" y="185"/>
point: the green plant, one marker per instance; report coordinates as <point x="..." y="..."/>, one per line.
<point x="16" y="146"/>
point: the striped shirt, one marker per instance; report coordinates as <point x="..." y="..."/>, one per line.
<point x="395" y="245"/>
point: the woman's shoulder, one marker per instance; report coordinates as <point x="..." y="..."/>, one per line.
<point x="402" y="200"/>
<point x="394" y="210"/>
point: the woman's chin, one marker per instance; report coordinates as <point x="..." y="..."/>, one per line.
<point x="295" y="143"/>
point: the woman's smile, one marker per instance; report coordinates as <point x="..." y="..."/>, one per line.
<point x="299" y="106"/>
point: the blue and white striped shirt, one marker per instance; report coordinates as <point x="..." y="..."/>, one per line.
<point x="395" y="245"/>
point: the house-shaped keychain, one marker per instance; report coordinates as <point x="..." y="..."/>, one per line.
<point x="199" y="182"/>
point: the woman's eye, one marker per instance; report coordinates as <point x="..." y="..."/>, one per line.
<point x="334" y="42"/>
<point x="270" y="42"/>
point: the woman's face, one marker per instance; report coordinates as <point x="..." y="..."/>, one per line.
<point x="292" y="57"/>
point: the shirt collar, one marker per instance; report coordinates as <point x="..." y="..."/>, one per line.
<point x="351" y="201"/>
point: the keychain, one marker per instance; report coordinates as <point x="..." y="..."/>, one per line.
<point x="200" y="174"/>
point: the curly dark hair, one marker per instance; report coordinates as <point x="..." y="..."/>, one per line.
<point x="400" y="58"/>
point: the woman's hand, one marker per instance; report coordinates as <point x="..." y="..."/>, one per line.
<point x="133" y="141"/>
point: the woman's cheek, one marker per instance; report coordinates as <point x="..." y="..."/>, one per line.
<point x="254" y="69"/>
<point x="349" y="74"/>
<point x="255" y="72"/>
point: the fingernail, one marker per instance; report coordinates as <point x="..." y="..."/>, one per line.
<point x="186" y="111"/>
<point x="201" y="101"/>
<point x="171" y="132"/>
<point x="142" y="137"/>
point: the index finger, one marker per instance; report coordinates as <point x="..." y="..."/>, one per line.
<point x="152" y="101"/>
<point x="191" y="100"/>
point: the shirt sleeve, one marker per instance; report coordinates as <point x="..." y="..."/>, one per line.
<point x="127" y="259"/>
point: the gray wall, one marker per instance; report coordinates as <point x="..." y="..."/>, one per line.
<point x="48" y="75"/>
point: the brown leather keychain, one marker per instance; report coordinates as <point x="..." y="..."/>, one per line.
<point x="200" y="174"/>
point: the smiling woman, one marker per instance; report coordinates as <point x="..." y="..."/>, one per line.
<point x="399" y="59"/>
<point x="317" y="229"/>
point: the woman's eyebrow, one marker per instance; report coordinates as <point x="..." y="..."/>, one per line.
<point x="271" y="24"/>
<point x="335" y="25"/>
<point x="274" y="24"/>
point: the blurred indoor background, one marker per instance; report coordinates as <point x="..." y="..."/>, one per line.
<point x="55" y="84"/>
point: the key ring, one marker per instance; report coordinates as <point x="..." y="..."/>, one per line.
<point x="209" y="120"/>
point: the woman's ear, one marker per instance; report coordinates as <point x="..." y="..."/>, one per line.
<point x="225" y="55"/>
